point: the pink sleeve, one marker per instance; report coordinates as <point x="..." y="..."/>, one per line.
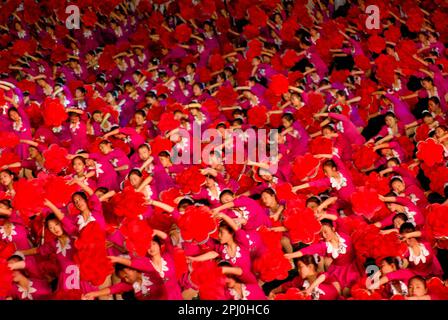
<point x="46" y="249"/>
<point x="69" y="226"/>
<point x="142" y="264"/>
<point x="241" y="238"/>
<point x="97" y="210"/>
<point x="324" y="182"/>
<point x="388" y="221"/>
<point x="338" y="116"/>
<point x="120" y="287"/>
<point x="402" y="274"/>
<point x="320" y="248"/>
<point x="127" y="131"/>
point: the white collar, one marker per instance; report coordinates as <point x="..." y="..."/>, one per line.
<point x="235" y="294"/>
<point x="164" y="268"/>
<point x="315" y="294"/>
<point x="17" y="126"/>
<point x="228" y="257"/>
<point x="144" y="286"/>
<point x="75" y="127"/>
<point x="10" y="235"/>
<point x="27" y="293"/>
<point x="82" y="223"/>
<point x="338" y="185"/>
<point x="420" y="258"/>
<point x="241" y="213"/>
<point x="63" y="250"/>
<point x="218" y="191"/>
<point x="341" y="249"/>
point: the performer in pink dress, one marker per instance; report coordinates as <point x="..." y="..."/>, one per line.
<point x="339" y="248"/>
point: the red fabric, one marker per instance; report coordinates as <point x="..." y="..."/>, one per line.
<point x="57" y="190"/>
<point x="89" y="18"/>
<point x="365" y="202"/>
<point x="430" y="152"/>
<point x="290" y="58"/>
<point x="216" y="62"/>
<point x="364" y="156"/>
<point x="190" y="180"/>
<point x="257" y="116"/>
<point x="54" y="112"/>
<point x="129" y="203"/>
<point x="376" y="44"/>
<point x="209" y="279"/>
<point x="437" y="220"/>
<point x="92" y="255"/>
<point x="279" y="84"/>
<point x="305" y="166"/>
<point x="272" y="265"/>
<point x="8" y="139"/>
<point x="160" y="144"/>
<point x="284" y="191"/>
<point x="55" y="159"/>
<point x="292" y="294"/>
<point x="226" y="96"/>
<point x="321" y="145"/>
<point x="29" y="198"/>
<point x="138" y="235"/>
<point x="301" y="223"/>
<point x="5" y="279"/>
<point x="180" y="262"/>
<point x="197" y="224"/>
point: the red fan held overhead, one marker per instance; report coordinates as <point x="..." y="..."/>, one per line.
<point x="56" y="159"/>
<point x="430" y="152"/>
<point x="301" y="223"/>
<point x="364" y="157"/>
<point x="129" y="203"/>
<point x="138" y="236"/>
<point x="190" y="180"/>
<point x="272" y="265"/>
<point x="197" y="224"/>
<point x="437" y="220"/>
<point x="58" y="191"/>
<point x="305" y="166"/>
<point x="28" y="199"/>
<point x="54" y="112"/>
<point x="365" y="202"/>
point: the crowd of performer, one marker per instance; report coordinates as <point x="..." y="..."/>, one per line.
<point x="347" y="201"/>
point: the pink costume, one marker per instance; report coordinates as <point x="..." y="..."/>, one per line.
<point x="104" y="172"/>
<point x="78" y="137"/>
<point x="347" y="128"/>
<point x="167" y="274"/>
<point x="151" y="287"/>
<point x="342" y="189"/>
<point x="325" y="291"/>
<point x="413" y="213"/>
<point x="250" y="290"/>
<point x="242" y="254"/>
<point x="426" y="264"/>
<point x="343" y="267"/>
<point x="69" y="277"/>
<point x="37" y="290"/>
<point x="96" y="214"/>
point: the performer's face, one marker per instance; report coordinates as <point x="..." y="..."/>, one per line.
<point x="5" y="178"/>
<point x="55" y="228"/>
<point x="417" y="288"/>
<point x="304" y="270"/>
